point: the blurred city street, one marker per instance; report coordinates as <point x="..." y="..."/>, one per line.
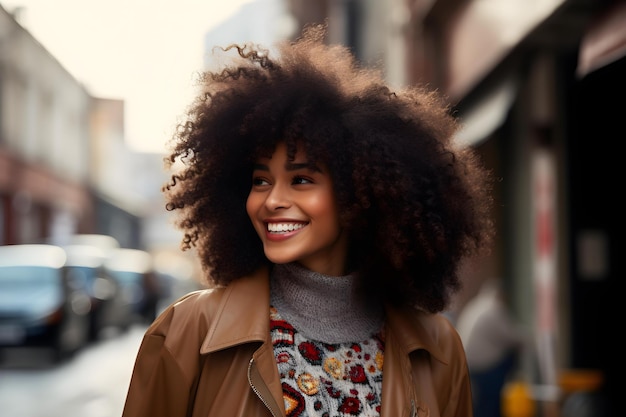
<point x="93" y="383"/>
<point x="86" y="114"/>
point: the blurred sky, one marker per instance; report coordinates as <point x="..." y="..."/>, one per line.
<point x="142" y="51"/>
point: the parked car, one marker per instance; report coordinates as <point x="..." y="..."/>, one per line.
<point x="41" y="305"/>
<point x="133" y="269"/>
<point x="109" y="308"/>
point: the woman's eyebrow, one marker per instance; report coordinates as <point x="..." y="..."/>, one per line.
<point x="291" y="166"/>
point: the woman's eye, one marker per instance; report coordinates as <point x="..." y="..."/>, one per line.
<point x="301" y="180"/>
<point x="257" y="181"/>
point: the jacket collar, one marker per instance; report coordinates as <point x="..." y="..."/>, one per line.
<point x="243" y="311"/>
<point x="413" y="331"/>
<point x="242" y="315"/>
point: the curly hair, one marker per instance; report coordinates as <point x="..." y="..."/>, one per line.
<point x="412" y="202"/>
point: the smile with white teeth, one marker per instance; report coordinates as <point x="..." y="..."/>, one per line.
<point x="284" y="227"/>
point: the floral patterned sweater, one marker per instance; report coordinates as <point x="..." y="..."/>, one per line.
<point x="328" y="341"/>
<point x="327" y="380"/>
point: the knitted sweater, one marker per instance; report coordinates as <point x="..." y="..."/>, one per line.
<point x="328" y="342"/>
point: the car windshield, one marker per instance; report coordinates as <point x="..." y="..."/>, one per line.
<point x="127" y="277"/>
<point x="28" y="276"/>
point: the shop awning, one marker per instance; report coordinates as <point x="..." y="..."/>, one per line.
<point x="487" y="114"/>
<point x="604" y="41"/>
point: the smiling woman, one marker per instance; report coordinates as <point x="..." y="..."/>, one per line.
<point x="330" y="214"/>
<point x="293" y="209"/>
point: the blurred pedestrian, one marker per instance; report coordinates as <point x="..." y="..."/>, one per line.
<point x="494" y="343"/>
<point x="330" y="213"/>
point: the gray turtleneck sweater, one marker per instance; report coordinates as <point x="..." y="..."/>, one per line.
<point x="324" y="308"/>
<point x="328" y="342"/>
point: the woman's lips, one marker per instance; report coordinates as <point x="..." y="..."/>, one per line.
<point x="277" y="231"/>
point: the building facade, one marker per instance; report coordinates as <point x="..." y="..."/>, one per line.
<point x="64" y="164"/>
<point x="43" y="130"/>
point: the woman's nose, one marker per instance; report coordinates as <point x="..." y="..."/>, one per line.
<point x="278" y="198"/>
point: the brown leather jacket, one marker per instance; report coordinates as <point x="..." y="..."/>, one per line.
<point x="210" y="354"/>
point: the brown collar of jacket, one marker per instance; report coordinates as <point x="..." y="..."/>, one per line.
<point x="424" y="371"/>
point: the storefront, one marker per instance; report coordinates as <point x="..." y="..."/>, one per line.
<point x="535" y="87"/>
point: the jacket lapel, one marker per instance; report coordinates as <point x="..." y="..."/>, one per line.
<point x="397" y="394"/>
<point x="242" y="315"/>
<point x="407" y="383"/>
<point x="414" y="330"/>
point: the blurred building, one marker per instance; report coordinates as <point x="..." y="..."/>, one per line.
<point x="64" y="164"/>
<point x="535" y="84"/>
<point x="44" y="115"/>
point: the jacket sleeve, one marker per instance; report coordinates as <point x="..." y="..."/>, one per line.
<point x="161" y="384"/>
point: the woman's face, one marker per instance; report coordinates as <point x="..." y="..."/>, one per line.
<point x="293" y="209"/>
